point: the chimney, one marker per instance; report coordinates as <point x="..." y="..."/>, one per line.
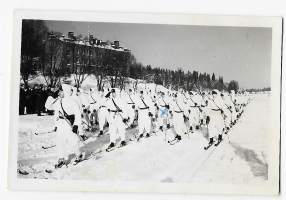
<point x="98" y="42"/>
<point x="52" y="35"/>
<point x="62" y="37"/>
<point x="94" y="41"/>
<point x="71" y="35"/>
<point x="91" y="39"/>
<point x="116" y="43"/>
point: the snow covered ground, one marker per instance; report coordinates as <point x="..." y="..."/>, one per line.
<point x="241" y="157"/>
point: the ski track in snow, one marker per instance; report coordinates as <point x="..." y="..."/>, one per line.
<point x="240" y="158"/>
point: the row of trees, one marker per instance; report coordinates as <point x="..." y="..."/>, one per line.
<point x="43" y="53"/>
<point x="267" y="89"/>
<point x="178" y="78"/>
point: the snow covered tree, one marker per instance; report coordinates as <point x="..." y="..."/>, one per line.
<point x="213" y="77"/>
<point x="157" y="77"/>
<point x="233" y="85"/>
<point x="195" y="76"/>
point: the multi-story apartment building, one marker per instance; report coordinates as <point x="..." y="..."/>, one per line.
<point x="86" y="52"/>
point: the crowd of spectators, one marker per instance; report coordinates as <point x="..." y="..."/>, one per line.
<point x="32" y="99"/>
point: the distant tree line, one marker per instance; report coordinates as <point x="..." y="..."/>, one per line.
<point x="266" y="89"/>
<point x="177" y="78"/>
<point x="44" y="53"/>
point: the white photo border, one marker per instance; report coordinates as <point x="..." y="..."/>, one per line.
<point x="271" y="187"/>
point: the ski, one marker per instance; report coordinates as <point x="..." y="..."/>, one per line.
<point x="110" y="149"/>
<point x="100" y="135"/>
<point x="138" y="139"/>
<point x="120" y="146"/>
<point x="133" y="139"/>
<point x="42" y="133"/>
<point x="218" y="142"/>
<point x="188" y="134"/>
<point x="75" y="162"/>
<point x="87" y="158"/>
<point x="22" y="172"/>
<point x="49" y="171"/>
<point x="83" y="159"/>
<point x="102" y="150"/>
<point x="115" y="147"/>
<point x="48" y="147"/>
<point x="173" y="142"/>
<point x="207" y="147"/>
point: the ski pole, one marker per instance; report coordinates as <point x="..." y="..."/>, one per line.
<point x="83" y="122"/>
<point x="46" y="132"/>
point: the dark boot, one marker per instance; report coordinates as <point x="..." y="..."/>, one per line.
<point x="147" y="135"/>
<point x="78" y="159"/>
<point x="140" y="136"/>
<point x="219" y="138"/>
<point x="83" y="137"/>
<point x="111" y="145"/>
<point x="107" y="124"/>
<point x="61" y="162"/>
<point x="100" y="133"/>
<point x="211" y="141"/>
<point x="161" y="128"/>
<point x="123" y="143"/>
<point x="178" y="137"/>
<point x="23" y="172"/>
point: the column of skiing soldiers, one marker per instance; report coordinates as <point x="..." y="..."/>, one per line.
<point x="76" y="111"/>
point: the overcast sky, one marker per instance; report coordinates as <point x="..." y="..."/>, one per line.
<point x="236" y="53"/>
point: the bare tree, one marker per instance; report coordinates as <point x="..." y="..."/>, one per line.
<point x="99" y="70"/>
<point x="117" y="66"/>
<point x="81" y="67"/>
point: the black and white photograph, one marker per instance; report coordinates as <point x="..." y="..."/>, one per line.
<point x="188" y="105"/>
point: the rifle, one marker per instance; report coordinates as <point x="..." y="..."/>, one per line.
<point x="118" y="110"/>
<point x="196" y="105"/>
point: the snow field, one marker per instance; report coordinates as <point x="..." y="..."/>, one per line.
<point x="241" y="158"/>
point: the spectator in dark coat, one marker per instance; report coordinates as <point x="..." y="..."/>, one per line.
<point x="21" y="100"/>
